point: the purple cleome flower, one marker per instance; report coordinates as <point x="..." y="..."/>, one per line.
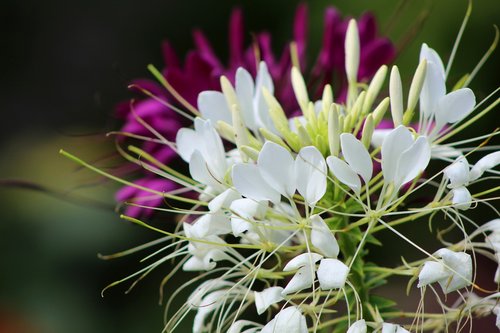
<point x="202" y="69"/>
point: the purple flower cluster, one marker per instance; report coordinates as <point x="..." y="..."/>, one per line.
<point x="202" y="69"/>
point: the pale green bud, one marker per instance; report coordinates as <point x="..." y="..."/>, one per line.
<point x="268" y="135"/>
<point x="415" y="89"/>
<point x="250" y="152"/>
<point x="396" y="93"/>
<point x="380" y="110"/>
<point x="352" y="51"/>
<point x="300" y="89"/>
<point x="366" y="136"/>
<point x="333" y="130"/>
<point x="374" y="88"/>
<point x="228" y="91"/>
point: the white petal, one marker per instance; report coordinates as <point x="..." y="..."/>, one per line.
<point x="322" y="237"/>
<point x="239" y="226"/>
<point x="332" y="274"/>
<point x="303" y="279"/>
<point x="431" y="55"/>
<point x="358" y="327"/>
<point x="248" y="208"/>
<point x="276" y="165"/>
<point x="211" y="224"/>
<point x="223" y="200"/>
<point x="343" y="172"/>
<point x="395" y="143"/>
<point x="459" y="265"/>
<point x="454" y="107"/>
<point x="263" y="80"/>
<point x="213" y="106"/>
<point x="431" y="272"/>
<point x="357" y="156"/>
<point x="288" y="320"/>
<point x="237" y="327"/>
<point x="434" y="87"/>
<point x="389" y="328"/>
<point x="413" y="161"/>
<point x="461" y="198"/>
<point x="487" y="162"/>
<point x="379" y="136"/>
<point x="199" y="171"/>
<point x="310" y="174"/>
<point x="211" y="148"/>
<point x="245" y="211"/>
<point x="187" y="141"/>
<point x="245" y="91"/>
<point x="457" y="172"/>
<point x="304" y="259"/>
<point x="266" y="298"/>
<point x="249" y="182"/>
<point x="393" y="328"/>
<point x="208" y="304"/>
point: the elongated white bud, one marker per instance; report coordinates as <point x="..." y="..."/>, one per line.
<point x="415" y="88"/>
<point x="352" y="51"/>
<point x="396" y="93"/>
<point x="300" y="89"/>
<point x="333" y="130"/>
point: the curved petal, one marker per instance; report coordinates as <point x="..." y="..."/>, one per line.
<point x="186" y="141"/>
<point x="454" y="107"/>
<point x="487" y="162"/>
<point x="249" y="182"/>
<point x="457" y="173"/>
<point x="357" y="156"/>
<point x="199" y="171"/>
<point x="395" y="143"/>
<point x="304" y="259"/>
<point x="332" y="274"/>
<point x="213" y="106"/>
<point x="431" y="272"/>
<point x="461" y="198"/>
<point x="244" y="88"/>
<point x="459" y="265"/>
<point x="322" y="237"/>
<point x="223" y="200"/>
<point x="358" y="327"/>
<point x="433" y="90"/>
<point x="303" y="279"/>
<point x="310" y="174"/>
<point x="288" y="320"/>
<point x="343" y="172"/>
<point x="266" y="298"/>
<point x="413" y="161"/>
<point x="276" y="166"/>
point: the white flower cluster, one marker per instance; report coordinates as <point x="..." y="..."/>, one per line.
<point x="287" y="207"/>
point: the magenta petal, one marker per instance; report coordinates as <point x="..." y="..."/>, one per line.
<point x="236" y="38"/>
<point x="373" y="55"/>
<point x="169" y="56"/>
<point x="300" y="29"/>
<point x="367" y="28"/>
<point x="205" y="49"/>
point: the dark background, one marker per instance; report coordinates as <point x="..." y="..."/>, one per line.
<point x="64" y="66"/>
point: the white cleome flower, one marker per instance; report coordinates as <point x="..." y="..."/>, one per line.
<point x="358" y="327"/>
<point x="213" y="104"/>
<point x="202" y="148"/>
<point x="452" y="272"/>
<point x="267" y="297"/>
<point x="436" y="107"/>
<point x="359" y="163"/>
<point x="289" y="320"/>
<point x="403" y="157"/>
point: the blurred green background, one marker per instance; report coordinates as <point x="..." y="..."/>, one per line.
<point x="64" y="67"/>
